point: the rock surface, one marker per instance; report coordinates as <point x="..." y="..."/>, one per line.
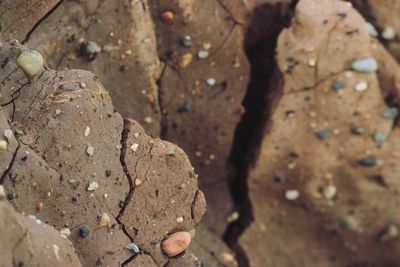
<point x="340" y="228"/>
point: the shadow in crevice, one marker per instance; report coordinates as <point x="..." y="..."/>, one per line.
<point x="263" y="90"/>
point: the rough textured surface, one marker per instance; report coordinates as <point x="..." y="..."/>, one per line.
<point x="341" y="229"/>
<point x="74" y="163"/>
<point x="188" y="97"/>
<point x="26" y="241"/>
<point x="127" y="64"/>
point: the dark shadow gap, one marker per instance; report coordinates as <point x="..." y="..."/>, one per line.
<point x="266" y="23"/>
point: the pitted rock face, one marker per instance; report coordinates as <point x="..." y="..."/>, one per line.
<point x="339" y="192"/>
<point x="69" y="155"/>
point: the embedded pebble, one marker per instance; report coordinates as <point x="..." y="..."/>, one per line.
<point x="357" y="130"/>
<point x="371" y="30"/>
<point x="167" y="16"/>
<point x="134" y="147"/>
<point x="234" y="216"/>
<point x="87" y="131"/>
<point x="322" y="134"/>
<point x="92" y="48"/>
<point x="379" y="137"/>
<point x="187" y="41"/>
<point x="176" y="243"/>
<point x="367" y="64"/>
<point x="3" y="145"/>
<point x="367" y="161"/>
<point x="90" y="151"/>
<point x="84" y="232"/>
<point x="104" y="220"/>
<point x="58" y="111"/>
<point x="92" y="186"/>
<point x="82" y="85"/>
<point x="185" y="60"/>
<point x="39" y="206"/>
<point x="388" y="33"/>
<point x="8" y="134"/>
<point x="31" y="62"/>
<point x="2" y="192"/>
<point x="338" y="85"/>
<point x="211" y="81"/>
<point x="179" y="219"/>
<point x="132" y="247"/>
<point x="390" y="113"/>
<point x="292" y="194"/>
<point x="148" y="120"/>
<point x="329" y="191"/>
<point x="202" y="54"/>
<point x="361" y="86"/>
<point x="350" y="223"/>
<point x="390" y="233"/>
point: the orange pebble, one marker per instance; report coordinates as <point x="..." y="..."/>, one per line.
<point x="176" y="243"/>
<point x="167" y="16"/>
<point x="39" y="206"/>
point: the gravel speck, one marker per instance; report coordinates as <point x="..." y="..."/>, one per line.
<point x="87" y="131"/>
<point x="90" y="151"/>
<point x="202" y="54"/>
<point x="84" y="232"/>
<point x="390" y="113"/>
<point x="390" y="233"/>
<point x="367" y="161"/>
<point x="134" y="147"/>
<point x="388" y="33"/>
<point x="361" y="86"/>
<point x="357" y="130"/>
<point x="211" y="81"/>
<point x="379" y="137"/>
<point x="292" y="194"/>
<point x="92" y="186"/>
<point x="187" y="41"/>
<point x="322" y="134"/>
<point x="132" y="247"/>
<point x="338" y="85"/>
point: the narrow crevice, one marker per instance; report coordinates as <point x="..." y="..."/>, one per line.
<point x="266" y="22"/>
<point x="37" y="24"/>
<point x="124" y="137"/>
<point x="164" y="115"/>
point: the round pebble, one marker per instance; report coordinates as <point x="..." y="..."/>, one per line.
<point x="292" y="194"/>
<point x="39" y="206"/>
<point x="211" y="81"/>
<point x="388" y="33"/>
<point x="361" y="86"/>
<point x="176" y="243"/>
<point x="167" y="16"/>
<point x="132" y="247"/>
<point x="92" y="48"/>
<point x="84" y="232"/>
<point x="390" y="113"/>
<point x="185" y="60"/>
<point x="379" y="137"/>
<point x="338" y="85"/>
<point x="31" y="62"/>
<point x="202" y="54"/>
<point x="367" y="161"/>
<point x="367" y="64"/>
<point x="350" y="223"/>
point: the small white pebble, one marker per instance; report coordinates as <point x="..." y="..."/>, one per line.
<point x="211" y="81"/>
<point x="87" y="131"/>
<point x="82" y="84"/>
<point x="179" y="219"/>
<point x="90" y="151"/>
<point x="148" y="120"/>
<point x="92" y="186"/>
<point x="292" y="194"/>
<point x="134" y="147"/>
<point x="3" y="145"/>
<point x="361" y="86"/>
<point x="8" y="134"/>
<point x="330" y="191"/>
<point x="58" y="111"/>
<point x="388" y="33"/>
<point x="136" y="135"/>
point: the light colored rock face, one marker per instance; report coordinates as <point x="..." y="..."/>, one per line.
<point x="24" y="236"/>
<point x="347" y="181"/>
